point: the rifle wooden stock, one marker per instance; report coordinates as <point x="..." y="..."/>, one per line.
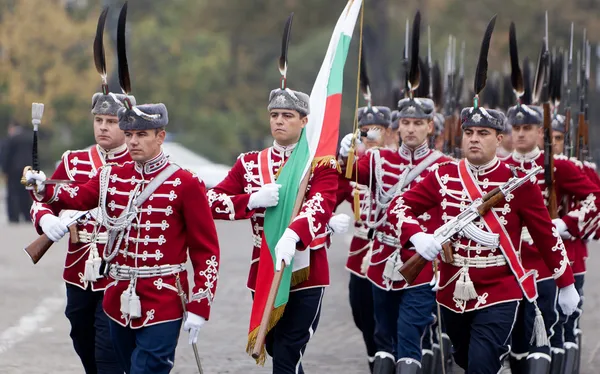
<point x="580" y="137"/>
<point x="38" y="248"/>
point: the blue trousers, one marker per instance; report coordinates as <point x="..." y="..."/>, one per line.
<point x="401" y="318"/>
<point x="287" y="341"/>
<point x="361" y="302"/>
<point x="572" y="322"/>
<point x="89" y="331"/>
<point x="547" y="302"/>
<point x="480" y="338"/>
<point x="148" y="349"/>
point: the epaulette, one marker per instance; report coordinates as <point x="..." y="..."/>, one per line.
<point x="246" y="153"/>
<point x="576" y="162"/>
<point x="449" y="162"/>
<point x="591" y="165"/>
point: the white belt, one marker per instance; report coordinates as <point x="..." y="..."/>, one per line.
<point x="361" y="233"/>
<point x="478" y="262"/>
<point x="124" y="272"/>
<point x="90" y="237"/>
<point x="388" y="239"/>
<point x="525" y="235"/>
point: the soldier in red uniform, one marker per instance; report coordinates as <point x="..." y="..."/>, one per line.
<point x="570" y="183"/>
<point x="249" y="188"/>
<point x="402" y="312"/>
<point x="481" y="289"/>
<point x="373" y="124"/>
<point x="152" y="230"/>
<point x="85" y="281"/>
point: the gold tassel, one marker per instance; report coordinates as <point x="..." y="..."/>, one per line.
<point x="350" y="162"/>
<point x="276" y="315"/>
<point x="356" y="194"/>
<point x="325" y="161"/>
<point x="301" y="275"/>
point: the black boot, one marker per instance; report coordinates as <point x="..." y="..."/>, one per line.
<point x="578" y="361"/>
<point x="518" y="365"/>
<point x="538" y="363"/>
<point x="384" y="363"/>
<point x="558" y="361"/>
<point x="408" y="366"/>
<point x="447" y="345"/>
<point x="571" y="353"/>
<point x="427" y="362"/>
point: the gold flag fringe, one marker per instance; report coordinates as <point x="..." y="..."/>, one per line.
<point x="326" y="161"/>
<point x="301" y="275"/>
<point x="276" y="315"/>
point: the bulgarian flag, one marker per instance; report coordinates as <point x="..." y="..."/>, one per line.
<point x="317" y="144"/>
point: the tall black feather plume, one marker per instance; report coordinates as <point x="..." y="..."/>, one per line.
<point x="436" y="76"/>
<point x="508" y="96"/>
<point x="482" y="63"/>
<point x="516" y="77"/>
<point x="538" y="82"/>
<point x="124" y="79"/>
<point x="285" y="42"/>
<point x="414" y="74"/>
<point x="527" y="98"/>
<point x="99" y="57"/>
<point x="365" y="85"/>
<point x="423" y="89"/>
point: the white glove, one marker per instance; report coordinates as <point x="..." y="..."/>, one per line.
<point x="53" y="227"/>
<point x="426" y="245"/>
<point x="266" y="197"/>
<point x="36" y="177"/>
<point x="568" y="299"/>
<point x="339" y="223"/>
<point x="286" y="248"/>
<point x="435" y="281"/>
<point x="364" y="266"/>
<point x="561" y="226"/>
<point x="193" y="323"/>
<point x="346" y="143"/>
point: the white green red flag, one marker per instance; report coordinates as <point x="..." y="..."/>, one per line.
<point x="318" y="143"/>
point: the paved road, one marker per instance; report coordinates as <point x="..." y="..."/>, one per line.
<point x="34" y="334"/>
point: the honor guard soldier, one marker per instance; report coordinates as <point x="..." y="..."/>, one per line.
<point x="482" y="281"/>
<point x="373" y="126"/>
<point x="569" y="182"/>
<point x="85" y="282"/>
<point x="152" y="229"/>
<point x="392" y="140"/>
<point x="402" y="312"/>
<point x="249" y="188"/>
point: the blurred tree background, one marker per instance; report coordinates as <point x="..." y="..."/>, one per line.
<point x="213" y="63"/>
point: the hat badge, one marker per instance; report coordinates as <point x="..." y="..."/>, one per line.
<point x="520" y="115"/>
<point x="280" y="100"/>
<point x="476" y="118"/>
<point x="411" y="109"/>
<point x="105" y="104"/>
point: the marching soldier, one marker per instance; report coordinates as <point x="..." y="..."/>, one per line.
<point x="250" y="187"/>
<point x="392" y="140"/>
<point x="482" y="281"/>
<point x="373" y="124"/>
<point x="152" y="229"/>
<point x="505" y="148"/>
<point x="82" y="273"/>
<point x="570" y="182"/>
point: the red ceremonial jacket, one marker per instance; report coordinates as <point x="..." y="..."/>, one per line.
<point x="229" y="201"/>
<point x="360" y="244"/>
<point x="381" y="169"/>
<point x="173" y="222"/>
<point x="81" y="166"/>
<point x="569" y="182"/>
<point x="487" y="267"/>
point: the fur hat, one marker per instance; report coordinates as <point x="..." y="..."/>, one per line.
<point x="481" y="117"/>
<point x="143" y="117"/>
<point x="289" y="99"/>
<point x="524" y="115"/>
<point x="395" y="120"/>
<point x="438" y="124"/>
<point x="375" y="115"/>
<point x="558" y="123"/>
<point x="110" y="104"/>
<point x="418" y="108"/>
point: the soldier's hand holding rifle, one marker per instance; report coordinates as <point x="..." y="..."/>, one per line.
<point x="426" y="245"/>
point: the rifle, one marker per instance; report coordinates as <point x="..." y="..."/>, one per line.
<point x="461" y="223"/>
<point x="38" y="248"/>
<point x="568" y="138"/>
<point x="544" y="70"/>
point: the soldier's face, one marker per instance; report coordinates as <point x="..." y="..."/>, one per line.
<point x="144" y="145"/>
<point x="507" y="142"/>
<point x="376" y="136"/>
<point x="558" y="142"/>
<point x="479" y="144"/>
<point x="286" y="125"/>
<point x="526" y="137"/>
<point x="413" y="131"/>
<point x="107" y="133"/>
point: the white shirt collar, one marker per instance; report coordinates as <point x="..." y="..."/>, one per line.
<point x="529" y="156"/>
<point x="284" y="151"/>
